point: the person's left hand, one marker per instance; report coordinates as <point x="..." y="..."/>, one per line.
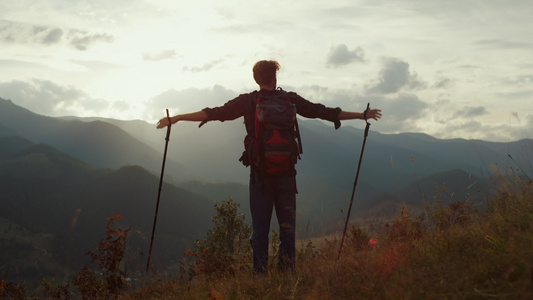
<point x="373" y="114"/>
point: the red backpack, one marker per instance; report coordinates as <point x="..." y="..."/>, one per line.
<point x="276" y="145"/>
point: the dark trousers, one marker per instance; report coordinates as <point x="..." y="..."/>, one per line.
<point x="266" y="194"/>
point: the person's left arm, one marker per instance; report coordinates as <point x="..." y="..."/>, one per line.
<point x="316" y="110"/>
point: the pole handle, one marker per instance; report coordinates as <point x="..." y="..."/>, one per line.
<point x="167" y="138"/>
<point x="367" y="127"/>
<point x="366" y="110"/>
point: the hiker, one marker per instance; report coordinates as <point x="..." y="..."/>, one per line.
<point x="271" y="187"/>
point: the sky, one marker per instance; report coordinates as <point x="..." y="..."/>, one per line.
<point x="450" y="69"/>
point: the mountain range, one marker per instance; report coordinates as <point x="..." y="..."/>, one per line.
<point x="67" y="201"/>
<point x="57" y="170"/>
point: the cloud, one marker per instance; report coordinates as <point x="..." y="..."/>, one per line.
<point x="121" y="105"/>
<point x="400" y="108"/>
<point x="187" y="100"/>
<point x="520" y="126"/>
<point x="53" y="36"/>
<point x="166" y="54"/>
<point x="513" y="128"/>
<point x="519" y="80"/>
<point x="474" y="129"/>
<point x="340" y="56"/>
<point x="443" y="83"/>
<point x="452" y="129"/>
<point x="394" y="77"/>
<point x="83" y="40"/>
<point x="527" y="129"/>
<point x="204" y="68"/>
<point x="23" y="33"/>
<point x="401" y="113"/>
<point x="516" y="95"/>
<point x="47" y="98"/>
<point x="505" y="44"/>
<point x="93" y="65"/>
<point x="18" y="64"/>
<point x="470" y="112"/>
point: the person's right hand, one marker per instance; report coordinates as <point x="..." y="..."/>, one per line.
<point x="373" y="114"/>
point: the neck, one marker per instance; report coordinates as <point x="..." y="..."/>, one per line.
<point x="268" y="87"/>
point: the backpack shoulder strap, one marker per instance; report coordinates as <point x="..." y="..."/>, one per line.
<point x="249" y="116"/>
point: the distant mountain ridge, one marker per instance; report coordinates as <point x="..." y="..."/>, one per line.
<point x="45" y="190"/>
<point x="97" y="143"/>
<point x="223" y="144"/>
<point x="326" y="172"/>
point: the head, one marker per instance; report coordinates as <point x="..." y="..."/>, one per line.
<point x="265" y="73"/>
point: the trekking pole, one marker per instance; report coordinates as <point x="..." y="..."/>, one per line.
<point x="159" y="192"/>
<point x="356" y="177"/>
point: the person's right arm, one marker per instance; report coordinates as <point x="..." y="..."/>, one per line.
<point x="231" y="110"/>
<point x="198" y="116"/>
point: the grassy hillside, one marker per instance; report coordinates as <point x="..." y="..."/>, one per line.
<point x="455" y="252"/>
<point x="452" y="251"/>
<point x="458" y="252"/>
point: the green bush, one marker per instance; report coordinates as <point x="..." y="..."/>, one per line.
<point x="226" y="248"/>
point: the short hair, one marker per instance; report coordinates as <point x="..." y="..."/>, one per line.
<point x="265" y="71"/>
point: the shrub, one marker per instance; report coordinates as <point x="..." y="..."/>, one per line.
<point x="109" y="255"/>
<point x="226" y="248"/>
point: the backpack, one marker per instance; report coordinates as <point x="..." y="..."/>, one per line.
<point x="276" y="145"/>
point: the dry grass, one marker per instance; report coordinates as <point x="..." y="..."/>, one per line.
<point x="457" y="253"/>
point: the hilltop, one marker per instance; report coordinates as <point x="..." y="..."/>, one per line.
<point x="455" y="252"/>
